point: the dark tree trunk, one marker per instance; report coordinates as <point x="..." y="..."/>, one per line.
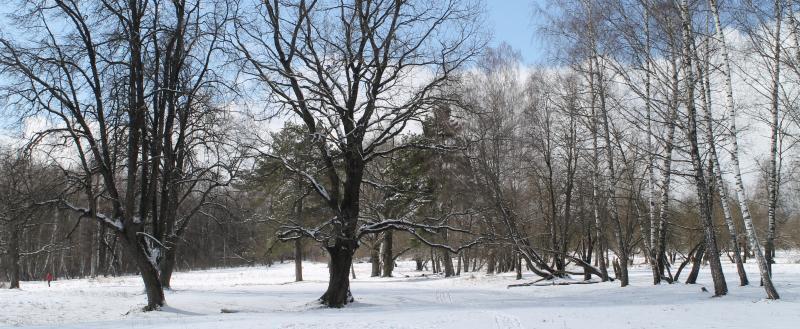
<point x="147" y="270"/>
<point x="298" y="260"/>
<point x="458" y="265"/>
<point x="466" y="260"/>
<point x="447" y="261"/>
<point x="166" y="226"/>
<point x="447" y="258"/>
<point x="434" y="262"/>
<point x="418" y="260"/>
<point x="697" y="262"/>
<point x="13" y="253"/>
<point x="703" y="195"/>
<point x="490" y="262"/>
<point x="745" y="252"/>
<point x="387" y="254"/>
<point x="622" y="263"/>
<point x="661" y="252"/>
<point x="101" y="250"/>
<point x="375" y="260"/>
<point x="167" y="267"/>
<point x="298" y="243"/>
<point x="587" y="258"/>
<point x="737" y="258"/>
<point x="769" y="255"/>
<point x="341" y="259"/>
<point x="587" y="274"/>
<point x="600" y="259"/>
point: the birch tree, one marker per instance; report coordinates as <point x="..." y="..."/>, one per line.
<point x="735" y="164"/>
<point x="701" y="184"/>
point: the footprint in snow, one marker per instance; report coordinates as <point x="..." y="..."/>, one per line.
<point x="506" y="321"/>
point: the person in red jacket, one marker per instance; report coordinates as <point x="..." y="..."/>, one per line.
<point x="49" y="278"/>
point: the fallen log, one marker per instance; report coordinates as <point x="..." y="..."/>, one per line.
<point x="539" y="283"/>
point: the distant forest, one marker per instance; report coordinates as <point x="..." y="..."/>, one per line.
<point x="153" y="136"/>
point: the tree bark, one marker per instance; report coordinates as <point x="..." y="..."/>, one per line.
<point x="341" y="259"/>
<point x="697" y="262"/>
<point x="167" y="267"/>
<point x="720" y="286"/>
<point x="651" y="178"/>
<point x="459" y="257"/>
<point x="661" y="252"/>
<point x="387" y="254"/>
<point x="741" y="196"/>
<point x="622" y="248"/>
<point x="147" y="270"/>
<point x="774" y="174"/>
<point x="716" y="169"/>
<point x="298" y="260"/>
<point x="375" y="259"/>
<point x="13" y="257"/>
<point x="601" y="262"/>
<point x="447" y="261"/>
<point x="490" y="262"/>
<point x="466" y="260"/>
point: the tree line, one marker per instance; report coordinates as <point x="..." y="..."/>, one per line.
<point x="157" y="135"/>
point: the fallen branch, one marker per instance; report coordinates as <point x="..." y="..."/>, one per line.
<point x="539" y="283"/>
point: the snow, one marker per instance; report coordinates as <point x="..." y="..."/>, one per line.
<point x="262" y="297"/>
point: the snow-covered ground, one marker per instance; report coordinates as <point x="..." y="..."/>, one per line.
<point x="267" y="298"/>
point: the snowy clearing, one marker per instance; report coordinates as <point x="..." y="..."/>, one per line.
<point x="261" y="297"/>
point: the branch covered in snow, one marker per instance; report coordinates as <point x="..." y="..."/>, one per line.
<point x="405" y="225"/>
<point x="444" y="246"/>
<point x="114" y="223"/>
<point x="293" y="232"/>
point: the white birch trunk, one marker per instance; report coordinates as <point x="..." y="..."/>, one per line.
<point x="737" y="172"/>
<point x="611" y="188"/>
<point x="703" y="195"/>
<point x="774" y="179"/>
<point x="716" y="168"/>
<point x="601" y="261"/>
<point x="651" y="178"/>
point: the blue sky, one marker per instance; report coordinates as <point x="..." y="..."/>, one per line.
<point x="514" y="22"/>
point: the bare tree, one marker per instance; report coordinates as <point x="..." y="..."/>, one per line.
<point x="344" y="70"/>
<point x="129" y="89"/>
<point x="700" y="179"/>
<point x="24" y="186"/>
<point x="740" y="191"/>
